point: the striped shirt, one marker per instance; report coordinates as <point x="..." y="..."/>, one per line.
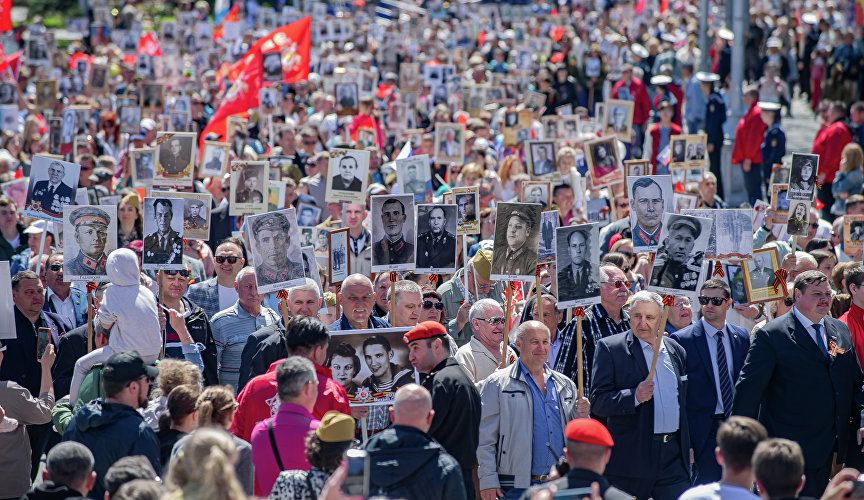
<point x="596" y="325"/>
<point x="231" y="328"/>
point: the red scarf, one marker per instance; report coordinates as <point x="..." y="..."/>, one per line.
<point x="854" y="319"/>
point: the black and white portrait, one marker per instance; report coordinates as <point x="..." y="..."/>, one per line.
<point x="398" y="117"/>
<point x="511" y="120"/>
<point x="538" y="192"/>
<point x="67" y="132"/>
<point x="679" y="150"/>
<point x="98" y="77"/>
<point x="517" y="232"/>
<point x="393" y="230"/>
<point x="268" y="100"/>
<point x="339" y="265"/>
<point x="153" y="95"/>
<point x="853" y="233"/>
<point x="578" y="257"/>
<point x="142" y="166"/>
<point x="52" y="187"/>
<point x="449" y="143"/>
<point x="542" y="158"/>
<point x="760" y="270"/>
<point x="619" y="118"/>
<point x="409" y="77"/>
<point x="272" y="64"/>
<point x="347" y="173"/>
<point x="308" y="215"/>
<point x="650" y="198"/>
<point x="733" y="231"/>
<point x="677" y="267"/>
<point x="799" y="217"/>
<point x="37" y="51"/>
<point x="46" y="93"/>
<point x="467" y="201"/>
<point x="196" y="215"/>
<point x="215" y="159"/>
<point x="163" y="233"/>
<point x="548" y="224"/>
<point x="695" y="151"/>
<point x="248" y="185"/>
<point x="570" y="127"/>
<point x="347" y="98"/>
<point x="7" y="93"/>
<point x="415" y="177"/>
<point x="179" y="121"/>
<point x="802" y="176"/>
<point x="130" y="120"/>
<point x="274" y="241"/>
<point x="735" y="278"/>
<point x="90" y="234"/>
<point x="436" y="239"/>
<point x="551" y="127"/>
<point x="82" y="119"/>
<point x="175" y="155"/>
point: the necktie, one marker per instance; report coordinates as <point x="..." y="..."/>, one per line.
<point x="723" y="375"/>
<point x="819" y="342"/>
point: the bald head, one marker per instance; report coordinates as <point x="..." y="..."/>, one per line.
<point x="412" y="407"/>
<point x="357" y="300"/>
<point x="357" y="279"/>
<point x="529" y="327"/>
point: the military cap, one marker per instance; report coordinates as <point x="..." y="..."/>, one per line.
<point x="661" y="80"/>
<point x="522" y="215"/>
<point x="693" y="225"/>
<point x="336" y="427"/>
<point x="271" y="221"/>
<point x="194" y="202"/>
<point x="482" y="263"/>
<point x="705" y="77"/>
<point x="769" y="105"/>
<point x="90" y="216"/>
<point x="589" y="431"/>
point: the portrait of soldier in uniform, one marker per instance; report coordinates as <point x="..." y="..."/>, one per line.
<point x="436" y="248"/>
<point x="676" y="265"/>
<point x="579" y="279"/>
<point x="193" y="219"/>
<point x="393" y="247"/>
<point x="91" y="235"/>
<point x="516" y="240"/>
<point x="272" y="237"/>
<point x="51" y="195"/>
<point x="250" y="186"/>
<point x="175" y="155"/>
<point x="164" y="245"/>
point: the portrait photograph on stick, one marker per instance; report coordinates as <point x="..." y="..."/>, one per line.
<point x="163" y="233"/>
<point x="802" y="176"/>
<point x="618" y="119"/>
<point x="339" y="266"/>
<point x="578" y="258"/>
<point x="393" y="230"/>
<point x="89" y="235"/>
<point x="274" y="242"/>
<point x="52" y="186"/>
<point x="734" y="277"/>
<point x="731" y="235"/>
<point x="760" y="278"/>
<point x="449" y="143"/>
<point x="248" y="185"/>
<point x="602" y="160"/>
<point x="799" y="217"/>
<point x="678" y="262"/>
<point x="650" y="197"/>
<point x="467" y="200"/>
<point x="637" y="168"/>
<point x="539" y="192"/>
<point x="415" y="177"/>
<point x="347" y="173"/>
<point x="780" y="203"/>
<point x="175" y="157"/>
<point x="142" y="168"/>
<point x="517" y="234"/>
<point x="196" y="213"/>
<point x="215" y="159"/>
<point x="853" y="233"/>
<point x="347" y="99"/>
<point x="541" y="158"/>
<point x="436" y="239"/>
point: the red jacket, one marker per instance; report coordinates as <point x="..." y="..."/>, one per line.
<point x="749" y="136"/>
<point x="259" y="401"/>
<point x="655" y="140"/>
<point x="828" y="145"/>
<point x="854" y="319"/>
<point x="639" y="96"/>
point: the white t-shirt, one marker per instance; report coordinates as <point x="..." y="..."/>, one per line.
<point x="227" y="297"/>
<point x="16" y="242"/>
<point x="717" y="491"/>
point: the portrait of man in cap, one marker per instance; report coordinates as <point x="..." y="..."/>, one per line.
<point x="90" y="230"/>
<point x="678" y="264"/>
<point x="436" y="248"/>
<point x="165" y="244"/>
<point x="51" y="194"/>
<point x="647" y="205"/>
<point x="271" y="235"/>
<point x="250" y="186"/>
<point x="516" y="240"/>
<point x="393" y="247"/>
<point x="193" y="219"/>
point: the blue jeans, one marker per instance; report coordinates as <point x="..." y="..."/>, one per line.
<point x="693" y="126"/>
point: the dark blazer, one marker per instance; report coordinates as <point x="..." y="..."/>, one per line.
<point x="220" y="227"/>
<point x="79" y="303"/>
<point x="796" y="391"/>
<point x="262" y="348"/>
<point x="619" y="366"/>
<point x="581" y="478"/>
<point x="71" y="347"/>
<point x="701" y="391"/>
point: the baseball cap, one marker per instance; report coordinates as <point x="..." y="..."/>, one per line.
<point x="589" y="431"/>
<point x="335" y="427"/>
<point x="424" y="330"/>
<point x="148" y="124"/>
<point x="37" y="227"/>
<point x="126" y="366"/>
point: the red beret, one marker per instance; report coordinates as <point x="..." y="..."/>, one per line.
<point x="588" y="430"/>
<point x="425" y="330"/>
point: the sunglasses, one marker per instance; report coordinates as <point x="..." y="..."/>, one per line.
<point x="619" y="283"/>
<point x="428" y="304"/>
<point x="814" y="225"/>
<point x="220" y="259"/>
<point x="174" y="272"/>
<point x="226" y="189"/>
<point x="55" y="267"/>
<point x="715" y="301"/>
<point x="498" y="320"/>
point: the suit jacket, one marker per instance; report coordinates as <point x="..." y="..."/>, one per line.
<point x="440" y="255"/>
<point x="798" y="393"/>
<point x="220" y="227"/>
<point x="701" y="388"/>
<point x="79" y="303"/>
<point x="205" y="295"/>
<point x="619" y="366"/>
<point x="52" y="204"/>
<point x="338" y="183"/>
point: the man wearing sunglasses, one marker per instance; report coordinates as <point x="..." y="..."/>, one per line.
<point x="458" y="300"/>
<point x="218" y="293"/>
<point x="60" y="298"/>
<point x="482" y="354"/>
<point x="715" y="354"/>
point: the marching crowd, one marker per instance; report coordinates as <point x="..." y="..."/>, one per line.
<point x="189" y="383"/>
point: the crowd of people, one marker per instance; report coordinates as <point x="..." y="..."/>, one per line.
<point x="170" y="376"/>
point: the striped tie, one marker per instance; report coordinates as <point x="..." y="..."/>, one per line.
<point x="723" y="374"/>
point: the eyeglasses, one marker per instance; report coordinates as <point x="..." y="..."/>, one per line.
<point x="86" y="168"/>
<point x="619" y="283"/>
<point x="485" y="288"/>
<point x="428" y="304"/>
<point x="815" y="225"/>
<point x="56" y="267"/>
<point x="497" y="320"/>
<point x="226" y="189"/>
<point x="715" y="301"/>
<point x="174" y="272"/>
<point x="232" y="259"/>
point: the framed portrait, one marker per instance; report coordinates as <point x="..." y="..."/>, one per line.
<point x="82" y="119"/>
<point x="650" y="198"/>
<point x="853" y="233"/>
<point x="731" y="236"/>
<point x="449" y="143"/>
<point x="570" y="127"/>
<point x="347" y="98"/>
<point x="734" y="277"/>
<point x="467" y="200"/>
<point x="780" y="203"/>
<point x="268" y="101"/>
<point x="51" y="187"/>
<point x="90" y="234"/>
<point x="546" y="249"/>
<point x="393" y="232"/>
<point x="179" y="121"/>
<point x="539" y="192"/>
<point x="759" y="277"/>
<point x="415" y="177"/>
<point x="275" y="193"/>
<point x="603" y="163"/>
<point x="436" y="239"/>
<point x="535" y="101"/>
<point x="348" y="177"/>
<point x="55" y="129"/>
<point x="409" y="77"/>
<point x="551" y="127"/>
<point x="517" y="234"/>
<point x="339" y="266"/>
<point x="248" y="185"/>
<point x="578" y="258"/>
<point x="215" y="159"/>
<point x="272" y="66"/>
<point x="618" y="120"/>
<point x="142" y="166"/>
<point x="687" y="152"/>
<point x="130" y="120"/>
<point x="347" y="355"/>
<point x="163" y="232"/>
<point x="365" y="137"/>
<point x="153" y="96"/>
<point x="637" y="168"/>
<point x="46" y="93"/>
<point x="368" y="83"/>
<point x="397" y="117"/>
<point x="274" y="241"/>
<point x="541" y="158"/>
<point x="678" y="263"/>
<point x="474" y="99"/>
<point x="598" y="211"/>
<point x="16" y="190"/>
<point x="196" y="213"/>
<point x="799" y="217"/>
<point x="684" y="201"/>
<point x="307" y="236"/>
<point x="308" y="215"/>
<point x="37" y="51"/>
<point x="175" y="159"/>
<point x="237" y="125"/>
<point x="99" y="78"/>
<point x="802" y="176"/>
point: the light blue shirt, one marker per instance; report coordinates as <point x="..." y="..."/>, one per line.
<point x="665" y="389"/>
<point x="548" y="430"/>
<point x="231" y="328"/>
<point x="694" y="110"/>
<point x="554" y="347"/>
<point x="711" y="340"/>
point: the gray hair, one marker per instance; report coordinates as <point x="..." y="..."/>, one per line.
<point x="548" y="298"/>
<point x="480" y="307"/>
<point x="292" y="375"/>
<point x="523" y="328"/>
<point x="243" y="272"/>
<point x="608" y="267"/>
<point x="403" y="286"/>
<point x="309" y="286"/>
<point x="69" y="463"/>
<point x="647" y="297"/>
<point x="805" y="256"/>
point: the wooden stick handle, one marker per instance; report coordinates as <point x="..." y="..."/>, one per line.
<point x="537" y="295"/>
<point x="507" y="312"/>
<point x="580" y="382"/>
<point x="392" y="298"/>
<point x="89" y="321"/>
<point x="663" y="319"/>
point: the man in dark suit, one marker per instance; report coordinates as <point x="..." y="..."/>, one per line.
<point x="802" y="378"/>
<point x="436" y="248"/>
<point x="576" y="281"/>
<point x="53" y="194"/>
<point x="172" y="160"/>
<point x="163" y="246"/>
<point x="646" y="417"/>
<point x="347" y="179"/>
<point x="711" y="374"/>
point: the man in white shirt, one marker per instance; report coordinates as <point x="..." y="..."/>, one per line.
<point x="218" y="294"/>
<point x="482" y="355"/>
<point x="69" y="303"/>
<point x="737" y="439"/>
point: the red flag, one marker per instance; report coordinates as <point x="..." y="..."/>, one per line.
<point x="78" y="56"/>
<point x="293" y="41"/>
<point x="640" y="6"/>
<point x="5" y="15"/>
<point x="148" y="45"/>
<point x="12" y="62"/>
<point x="664" y="4"/>
<point x="231" y="17"/>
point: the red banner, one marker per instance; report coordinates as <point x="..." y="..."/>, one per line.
<point x="148" y="45"/>
<point x="5" y="15"/>
<point x="231" y="17"/>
